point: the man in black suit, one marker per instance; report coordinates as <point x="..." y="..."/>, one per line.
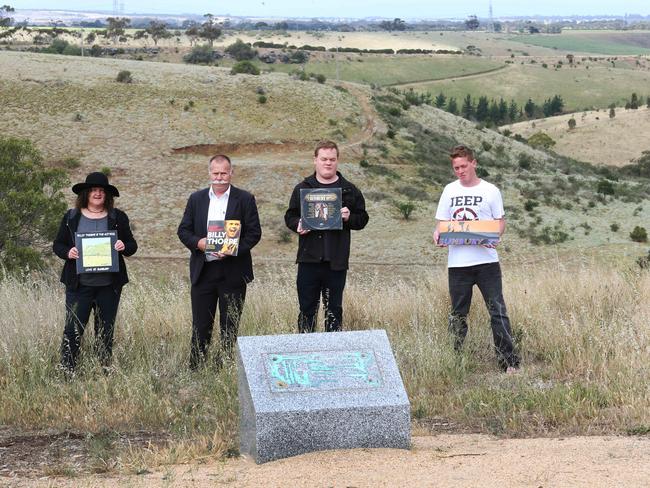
<point x="216" y="277"/>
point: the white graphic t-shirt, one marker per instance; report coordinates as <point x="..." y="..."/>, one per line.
<point x="480" y="202"/>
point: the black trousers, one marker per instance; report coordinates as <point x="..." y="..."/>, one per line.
<point x="316" y="280"/>
<point x="212" y="290"/>
<point x="488" y="279"/>
<point x="104" y="300"/>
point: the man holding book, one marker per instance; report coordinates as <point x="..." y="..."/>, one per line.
<point x="218" y="277"/>
<point x="470" y="198"/>
<point x="324" y="249"/>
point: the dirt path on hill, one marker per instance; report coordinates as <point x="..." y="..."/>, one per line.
<point x="449" y="460"/>
<point x="481" y="74"/>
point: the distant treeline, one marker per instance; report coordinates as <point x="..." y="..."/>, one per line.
<point x="488" y="111"/>
<point x="307" y="47"/>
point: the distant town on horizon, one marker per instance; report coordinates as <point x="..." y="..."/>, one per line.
<point x="47" y="16"/>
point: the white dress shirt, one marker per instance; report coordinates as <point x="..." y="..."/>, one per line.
<point x="217" y="211"/>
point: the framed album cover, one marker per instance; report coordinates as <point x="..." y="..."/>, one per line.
<point x="320" y="208"/>
<point x="469" y="232"/>
<point x="97" y="252"/>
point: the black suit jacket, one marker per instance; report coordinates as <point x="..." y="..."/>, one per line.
<point x="193" y="227"/>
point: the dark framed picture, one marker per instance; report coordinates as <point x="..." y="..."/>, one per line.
<point x="320" y="208"/>
<point x="97" y="252"/>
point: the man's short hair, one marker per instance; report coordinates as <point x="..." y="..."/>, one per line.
<point x="462" y="152"/>
<point x="326" y="145"/>
<point x="220" y="157"/>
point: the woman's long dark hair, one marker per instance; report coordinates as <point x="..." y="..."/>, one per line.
<point x="82" y="199"/>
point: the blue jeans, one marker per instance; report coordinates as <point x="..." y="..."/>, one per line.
<point x="488" y="279"/>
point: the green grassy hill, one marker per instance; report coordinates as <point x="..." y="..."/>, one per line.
<point x="155" y="135"/>
<point x="577" y="300"/>
<point x="606" y="43"/>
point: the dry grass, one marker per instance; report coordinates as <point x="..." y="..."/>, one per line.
<point x="599" y="85"/>
<point x="583" y="333"/>
<point x="596" y="138"/>
<point x="132" y="128"/>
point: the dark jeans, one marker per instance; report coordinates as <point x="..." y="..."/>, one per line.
<point x="315" y="280"/>
<point x="103" y="300"/>
<point x="488" y="279"/>
<point x="210" y="290"/>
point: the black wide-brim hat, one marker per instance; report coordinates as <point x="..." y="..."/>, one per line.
<point x="93" y="180"/>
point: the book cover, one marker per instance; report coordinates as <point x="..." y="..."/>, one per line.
<point x="469" y="232"/>
<point x="320" y="208"/>
<point x="223" y="237"/>
<point x="97" y="252"/>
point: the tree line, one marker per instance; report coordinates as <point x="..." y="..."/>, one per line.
<point x="489" y="111"/>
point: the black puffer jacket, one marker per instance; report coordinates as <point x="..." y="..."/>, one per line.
<point x="64" y="241"/>
<point x="311" y="245"/>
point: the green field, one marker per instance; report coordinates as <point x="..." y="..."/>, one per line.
<point x="389" y="70"/>
<point x="580" y="88"/>
<point x="604" y="42"/>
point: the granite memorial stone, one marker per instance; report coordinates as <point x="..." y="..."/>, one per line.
<point x="307" y="392"/>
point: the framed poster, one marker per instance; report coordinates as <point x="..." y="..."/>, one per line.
<point x="469" y="232"/>
<point x="97" y="252"/>
<point x="223" y="236"/>
<point x="320" y="208"/>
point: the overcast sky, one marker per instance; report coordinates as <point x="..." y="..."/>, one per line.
<point x="353" y="8"/>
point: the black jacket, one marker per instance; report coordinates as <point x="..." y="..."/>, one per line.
<point x="64" y="241"/>
<point x="194" y="227"/>
<point x="311" y="245"/>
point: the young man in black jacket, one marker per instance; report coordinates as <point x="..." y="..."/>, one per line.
<point x="323" y="254"/>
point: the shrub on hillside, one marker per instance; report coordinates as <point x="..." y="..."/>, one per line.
<point x="639" y="234"/>
<point x="241" y="51"/>
<point x="201" y="55"/>
<point x="572" y="123"/>
<point x="405" y="209"/>
<point x="529" y="205"/>
<point x="644" y="261"/>
<point x="245" y="67"/>
<point x="71" y="163"/>
<point x="31" y="204"/>
<point x="605" y="187"/>
<point x="525" y="161"/>
<point x="124" y="76"/>
<point x="299" y="57"/>
<point x="541" y="140"/>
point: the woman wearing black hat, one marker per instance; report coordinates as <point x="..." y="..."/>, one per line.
<point x="93" y="212"/>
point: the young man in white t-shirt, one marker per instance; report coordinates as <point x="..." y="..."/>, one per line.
<point x="471" y="198"/>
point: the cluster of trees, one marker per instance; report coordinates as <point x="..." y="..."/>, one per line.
<point x="209" y="30"/>
<point x="5" y="19"/>
<point x="393" y="25"/>
<point x="635" y="102"/>
<point x="244" y="51"/>
<point x="497" y="112"/>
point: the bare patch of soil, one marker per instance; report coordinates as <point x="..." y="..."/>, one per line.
<point x="239" y="149"/>
<point x="446" y="460"/>
<point x="30" y="455"/>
